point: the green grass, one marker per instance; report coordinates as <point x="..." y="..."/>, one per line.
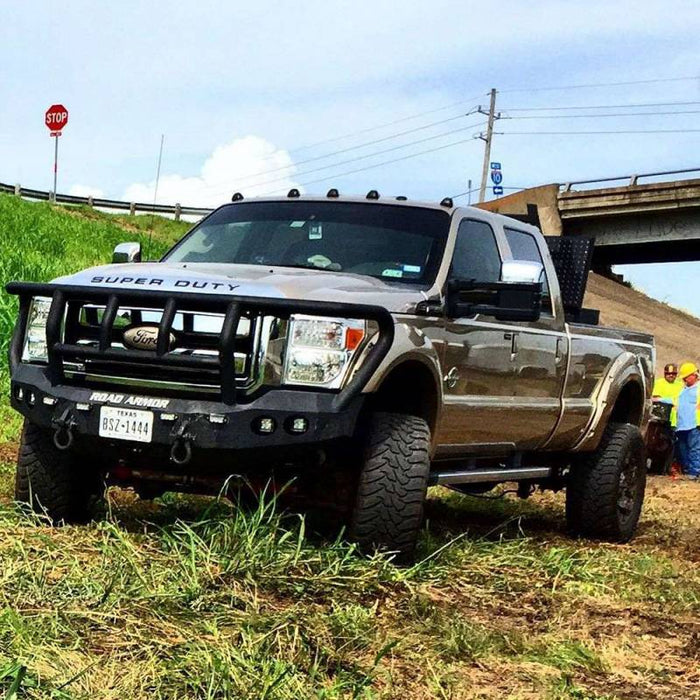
<point x="40" y="242"/>
<point x="198" y="598"/>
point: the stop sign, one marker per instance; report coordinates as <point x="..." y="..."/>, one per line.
<point x="56" y="117"/>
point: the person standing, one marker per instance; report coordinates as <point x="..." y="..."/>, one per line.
<point x="687" y="431"/>
<point x="667" y="388"/>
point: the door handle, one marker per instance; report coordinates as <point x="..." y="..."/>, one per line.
<point x="513" y="337"/>
<point x="558" y="356"/>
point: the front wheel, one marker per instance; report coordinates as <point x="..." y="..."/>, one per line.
<point x="605" y="491"/>
<point x="392" y="485"/>
<point x="53" y="482"/>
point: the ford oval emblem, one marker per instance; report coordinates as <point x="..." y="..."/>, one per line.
<point x="144" y="338"/>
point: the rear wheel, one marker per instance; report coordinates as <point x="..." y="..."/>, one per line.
<point x="53" y="482"/>
<point x="605" y="491"/>
<point x="392" y="485"/>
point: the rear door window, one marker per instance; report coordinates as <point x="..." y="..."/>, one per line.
<point x="523" y="246"/>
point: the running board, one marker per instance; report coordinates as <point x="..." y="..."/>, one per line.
<point x="480" y="476"/>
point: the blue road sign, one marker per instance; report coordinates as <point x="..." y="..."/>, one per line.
<point x="498" y="189"/>
<point x="495" y="165"/>
<point x="496" y="177"/>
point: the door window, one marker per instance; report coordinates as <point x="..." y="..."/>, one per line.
<point x="476" y="254"/>
<point x="523" y="246"/>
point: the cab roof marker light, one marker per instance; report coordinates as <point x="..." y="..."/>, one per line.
<point x="401" y="198"/>
<point x="237" y="197"/>
<point x="333" y="193"/>
<point x="372" y="194"/>
<point x="447" y="202"/>
<point x="293" y="193"/>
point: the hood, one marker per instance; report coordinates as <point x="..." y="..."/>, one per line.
<point x="253" y="281"/>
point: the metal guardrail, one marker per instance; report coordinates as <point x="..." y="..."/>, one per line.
<point x="632" y="179"/>
<point x="176" y="210"/>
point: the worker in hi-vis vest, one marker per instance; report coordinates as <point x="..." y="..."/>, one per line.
<point x="687" y="431"/>
<point x="668" y="388"/>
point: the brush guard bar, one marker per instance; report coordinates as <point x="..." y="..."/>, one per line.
<point x="230" y="306"/>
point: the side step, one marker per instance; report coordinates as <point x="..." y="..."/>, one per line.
<point x="480" y="476"/>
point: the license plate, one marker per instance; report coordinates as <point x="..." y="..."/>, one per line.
<point x="126" y="424"/>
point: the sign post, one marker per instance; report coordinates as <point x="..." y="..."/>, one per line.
<point x="496" y="178"/>
<point x="56" y="118"/>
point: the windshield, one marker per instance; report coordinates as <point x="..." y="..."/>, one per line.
<point x="395" y="243"/>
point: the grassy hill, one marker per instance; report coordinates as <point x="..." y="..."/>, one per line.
<point x="676" y="332"/>
<point x="191" y="597"/>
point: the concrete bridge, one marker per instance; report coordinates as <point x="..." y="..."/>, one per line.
<point x="632" y="223"/>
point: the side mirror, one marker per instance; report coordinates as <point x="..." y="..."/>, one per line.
<point x="522" y="271"/>
<point x="127" y="253"/>
<point x="518" y="297"/>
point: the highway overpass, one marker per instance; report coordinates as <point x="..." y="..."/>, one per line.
<point x="633" y="222"/>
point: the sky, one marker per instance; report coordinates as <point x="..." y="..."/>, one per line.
<point x="260" y="97"/>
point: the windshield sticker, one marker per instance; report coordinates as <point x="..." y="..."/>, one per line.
<point x="297" y="224"/>
<point x="392" y="273"/>
<point x="315" y="232"/>
<point x="414" y="269"/>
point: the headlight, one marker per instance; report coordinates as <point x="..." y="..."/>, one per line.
<point x="35" y="349"/>
<point x="320" y="350"/>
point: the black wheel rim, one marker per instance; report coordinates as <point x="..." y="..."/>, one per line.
<point x="629" y="487"/>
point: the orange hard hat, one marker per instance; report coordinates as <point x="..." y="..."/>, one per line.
<point x="687" y="368"/>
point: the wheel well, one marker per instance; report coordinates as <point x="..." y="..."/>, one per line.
<point x="409" y="389"/>
<point x="629" y="406"/>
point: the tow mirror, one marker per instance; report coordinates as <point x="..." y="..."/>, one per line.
<point x="517" y="297"/>
<point x="127" y="253"/>
<point x="522" y="271"/>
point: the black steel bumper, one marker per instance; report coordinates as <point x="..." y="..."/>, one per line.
<point x="204" y="424"/>
<point x="43" y="394"/>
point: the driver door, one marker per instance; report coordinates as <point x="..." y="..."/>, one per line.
<point x="478" y="367"/>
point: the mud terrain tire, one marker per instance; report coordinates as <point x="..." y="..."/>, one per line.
<point x="605" y="491"/>
<point x="52" y="481"/>
<point x="392" y="485"/>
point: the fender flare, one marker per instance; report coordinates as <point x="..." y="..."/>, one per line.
<point x="624" y="370"/>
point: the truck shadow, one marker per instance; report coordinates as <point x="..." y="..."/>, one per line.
<point x="447" y="515"/>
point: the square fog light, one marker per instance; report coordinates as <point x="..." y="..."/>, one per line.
<point x="264" y="425"/>
<point x="297" y="425"/>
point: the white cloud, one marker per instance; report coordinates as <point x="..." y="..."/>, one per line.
<point x="86" y="191"/>
<point x="250" y="165"/>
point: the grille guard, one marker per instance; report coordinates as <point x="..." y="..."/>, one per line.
<point x="230" y="306"/>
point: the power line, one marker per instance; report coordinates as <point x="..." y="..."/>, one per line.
<point x="369" y="155"/>
<point x="476" y="189"/>
<point x="386" y="124"/>
<point x="603" y="85"/>
<point x="639" y="131"/>
<point x="246" y="180"/>
<point x="638" y="104"/>
<point x="597" y="116"/>
<point x="387" y="162"/>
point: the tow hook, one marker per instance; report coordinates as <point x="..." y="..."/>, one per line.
<point x="181" y="451"/>
<point x="63" y="434"/>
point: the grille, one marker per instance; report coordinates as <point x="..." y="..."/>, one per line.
<point x="192" y="335"/>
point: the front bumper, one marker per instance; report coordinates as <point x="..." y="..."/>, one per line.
<point x="205" y="424"/>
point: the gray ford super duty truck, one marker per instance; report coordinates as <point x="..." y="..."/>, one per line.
<point x="368" y="347"/>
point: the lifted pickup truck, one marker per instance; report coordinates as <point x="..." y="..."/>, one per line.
<point x="369" y="347"/>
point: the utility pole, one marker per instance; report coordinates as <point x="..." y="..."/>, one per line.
<point x="487" y="144"/>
